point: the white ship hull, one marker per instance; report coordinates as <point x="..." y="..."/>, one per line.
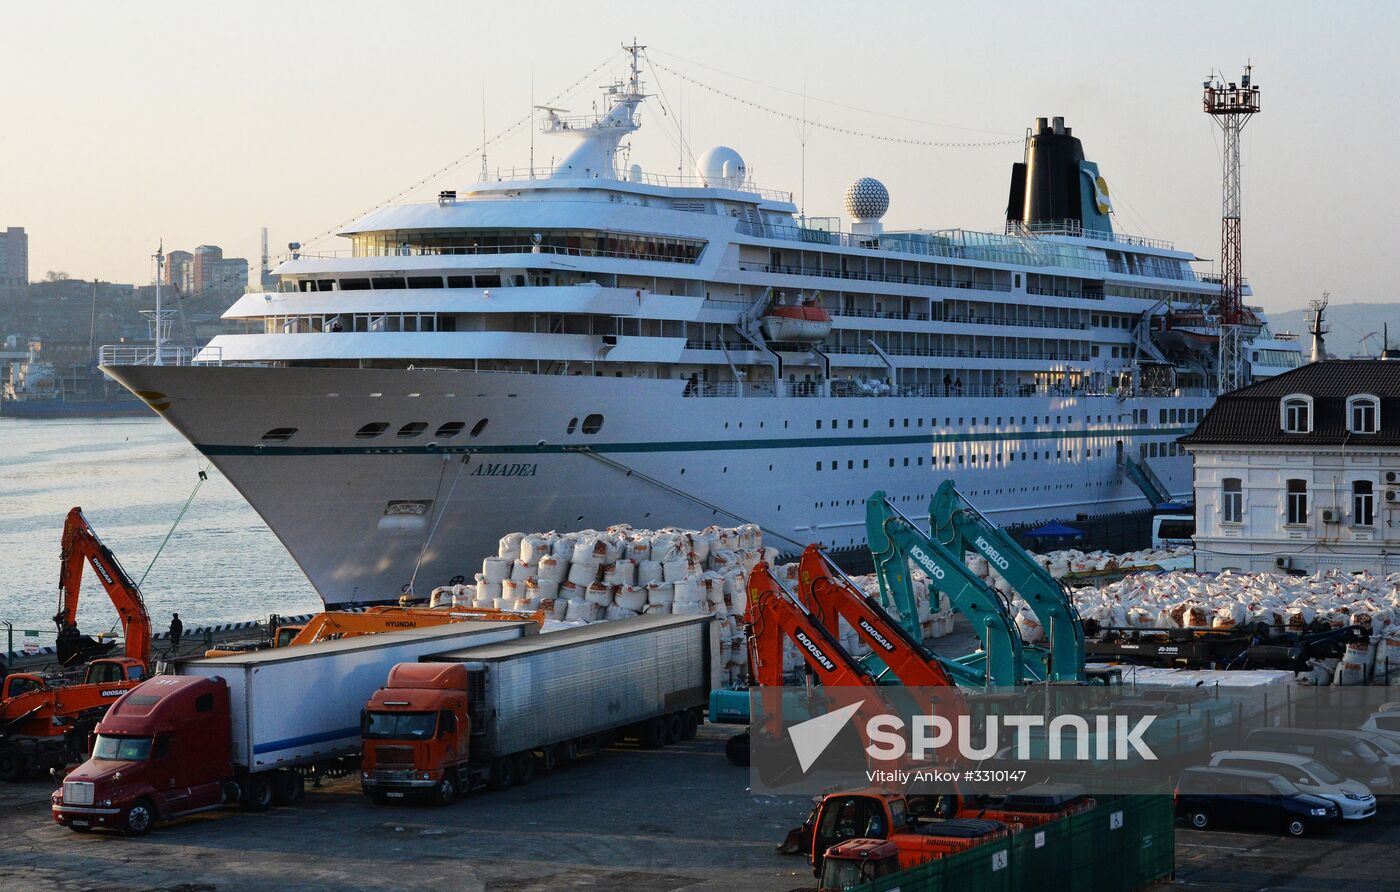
<point x="366" y="518"/>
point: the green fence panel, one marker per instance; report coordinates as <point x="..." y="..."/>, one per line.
<point x="1124" y="843"/>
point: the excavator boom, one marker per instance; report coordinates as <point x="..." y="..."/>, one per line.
<point x="80" y="544"/>
<point x="832" y="596"/>
<point x="333" y="625"/>
<point x="895" y="541"/>
<point x="959" y="526"/>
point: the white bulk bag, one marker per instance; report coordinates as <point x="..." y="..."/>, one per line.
<point x="486" y="590"/>
<point x="689" y="588"/>
<point x="541" y="589"/>
<point x="661" y="593"/>
<point x="621" y="572"/>
<point x="599" y="593"/>
<point x="584" y="572"/>
<point x="496" y="568"/>
<point x="510" y="546"/>
<point x="552" y="568"/>
<point x="630" y="597"/>
<point x="520" y="571"/>
<point x="649" y="572"/>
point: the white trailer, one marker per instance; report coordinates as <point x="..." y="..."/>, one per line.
<point x="298" y="706"/>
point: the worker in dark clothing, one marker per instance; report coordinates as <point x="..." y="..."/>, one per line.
<point x="177" y="629"/>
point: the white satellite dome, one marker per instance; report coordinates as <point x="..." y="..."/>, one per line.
<point x="721" y="166"/>
<point x="867" y="199"/>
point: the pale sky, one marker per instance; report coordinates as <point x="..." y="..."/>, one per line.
<point x="129" y="122"/>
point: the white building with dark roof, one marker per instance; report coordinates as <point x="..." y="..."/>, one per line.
<point x="1302" y="472"/>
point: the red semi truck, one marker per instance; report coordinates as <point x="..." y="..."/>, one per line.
<point x="242" y="728"/>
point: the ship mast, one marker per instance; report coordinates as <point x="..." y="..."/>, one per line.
<point x="1231" y="106"/>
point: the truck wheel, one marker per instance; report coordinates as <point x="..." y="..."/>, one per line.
<point x="288" y="787"/>
<point x="524" y="768"/>
<point x="736" y="749"/>
<point x="140" y="817"/>
<point x="11" y="766"/>
<point x="567" y="751"/>
<point x="690" y="724"/>
<point x="675" y="728"/>
<point x="257" y="793"/>
<point x="502" y="774"/>
<point x="445" y="793"/>
<point x="653" y="733"/>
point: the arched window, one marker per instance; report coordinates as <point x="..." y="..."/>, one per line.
<point x="1296" y="414"/>
<point x="1363" y="414"/>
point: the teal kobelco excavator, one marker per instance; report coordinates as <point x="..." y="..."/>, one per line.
<point x="895" y="543"/>
<point x="956" y="524"/>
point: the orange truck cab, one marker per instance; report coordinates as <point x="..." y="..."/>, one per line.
<point x="1036" y="805"/>
<point x="160" y="752"/>
<point x="20" y="683"/>
<point x="856" y="862"/>
<point x="417" y="732"/>
<point x="924" y="827"/>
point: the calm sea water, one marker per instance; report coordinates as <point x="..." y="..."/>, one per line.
<point x="131" y="477"/>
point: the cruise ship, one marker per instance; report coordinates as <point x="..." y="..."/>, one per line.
<point x="593" y="344"/>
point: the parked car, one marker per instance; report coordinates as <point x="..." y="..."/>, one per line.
<point x="1351" y="757"/>
<point x="1388" y="746"/>
<point x="1250" y="800"/>
<point x="1307" y="774"/>
<point x="1386" y="722"/>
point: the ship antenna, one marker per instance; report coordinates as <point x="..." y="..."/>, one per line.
<point x="484" y="174"/>
<point x="532" y="122"/>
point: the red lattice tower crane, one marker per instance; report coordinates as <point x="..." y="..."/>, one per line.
<point x="1231" y="106"/>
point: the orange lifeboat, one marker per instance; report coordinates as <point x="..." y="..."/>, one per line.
<point x="804" y="322"/>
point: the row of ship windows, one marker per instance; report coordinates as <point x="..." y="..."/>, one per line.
<point x="398" y="283"/>
<point x="1168" y="416"/>
<point x="591" y="425"/>
<point x="987" y="459"/>
<point x="847" y="503"/>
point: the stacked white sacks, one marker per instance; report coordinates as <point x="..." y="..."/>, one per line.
<point x="1233" y="600"/>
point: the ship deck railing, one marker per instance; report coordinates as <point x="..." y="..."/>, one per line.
<point x="963" y="245"/>
<point x="149" y="354"/>
<point x="1075" y="229"/>
<point x="416" y="250"/>
<point x="515" y="174"/>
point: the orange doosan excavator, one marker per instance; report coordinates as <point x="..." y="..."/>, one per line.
<point x="333" y="625"/>
<point x="44" y="722"/>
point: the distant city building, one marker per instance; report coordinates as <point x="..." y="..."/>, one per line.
<point x="211" y="271"/>
<point x="14" y="256"/>
<point x="1302" y="472"/>
<point x="177" y="267"/>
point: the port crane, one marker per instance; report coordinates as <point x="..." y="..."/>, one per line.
<point x="959" y="526"/>
<point x="896" y="541"/>
<point x="43" y="724"/>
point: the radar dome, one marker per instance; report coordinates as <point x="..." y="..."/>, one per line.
<point x="721" y="166"/>
<point x="867" y="199"/>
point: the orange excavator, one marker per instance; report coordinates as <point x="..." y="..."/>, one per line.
<point x="43" y="723"/>
<point x="896" y="656"/>
<point x="332" y="625"/>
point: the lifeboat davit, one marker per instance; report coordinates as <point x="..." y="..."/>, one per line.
<point x="808" y="322"/>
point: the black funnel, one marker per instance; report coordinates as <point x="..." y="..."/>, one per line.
<point x="1046" y="187"/>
